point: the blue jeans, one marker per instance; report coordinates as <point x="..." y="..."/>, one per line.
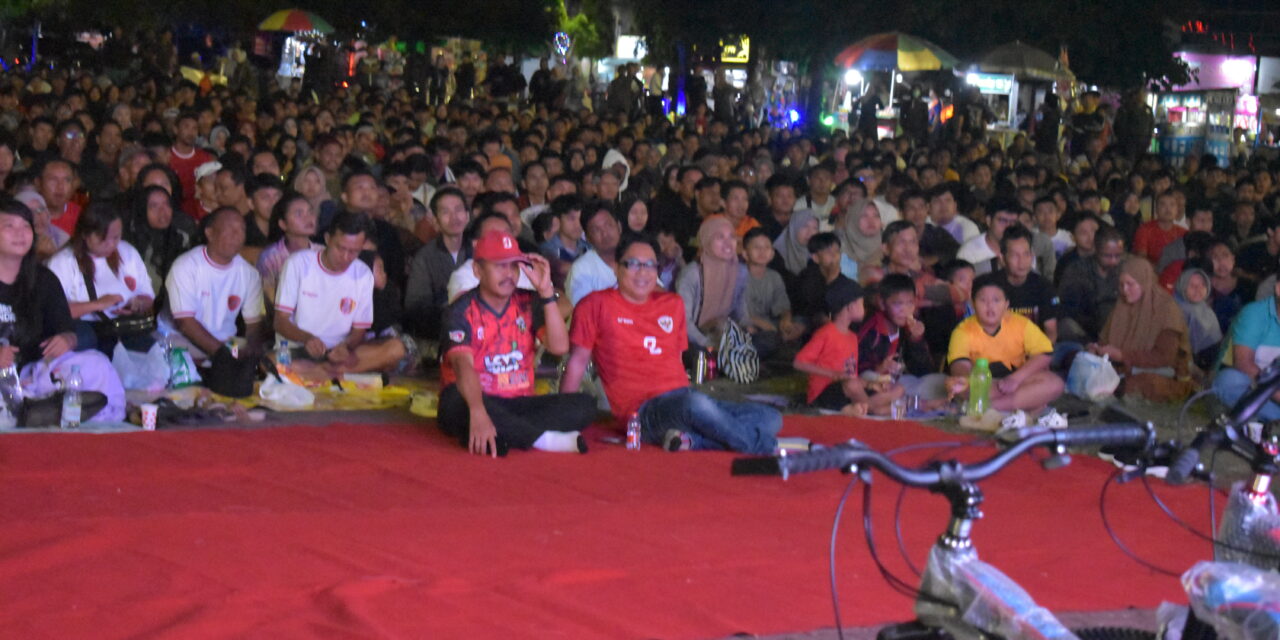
<point x="711" y="424"/>
<point x="1230" y="384"/>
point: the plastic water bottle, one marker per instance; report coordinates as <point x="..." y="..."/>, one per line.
<point x="979" y="389"/>
<point x="10" y="396"/>
<point x="633" y="432"/>
<point x="284" y="359"/>
<point x="71" y="399"/>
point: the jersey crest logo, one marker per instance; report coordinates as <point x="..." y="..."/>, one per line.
<point x="479" y="333"/>
<point x="233" y="303"/>
<point x="666" y="323"/>
<point x="347" y="305"/>
<point x="520" y="323"/>
<point x="457" y="336"/>
<point x="131" y="282"/>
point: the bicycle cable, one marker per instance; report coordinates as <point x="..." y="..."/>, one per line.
<point x="1106" y="523"/>
<point x="902" y="494"/>
<point x="835" y="529"/>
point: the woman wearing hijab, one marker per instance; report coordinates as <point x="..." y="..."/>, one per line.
<point x="1147" y="337"/>
<point x="151" y="230"/>
<point x="859" y="234"/>
<point x="792" y="247"/>
<point x="714" y="288"/>
<point x="1205" y="334"/>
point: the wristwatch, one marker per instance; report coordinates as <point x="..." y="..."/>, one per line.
<point x="555" y="295"/>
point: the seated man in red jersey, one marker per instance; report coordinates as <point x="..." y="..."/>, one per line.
<point x="486" y="374"/>
<point x="636" y="335"/>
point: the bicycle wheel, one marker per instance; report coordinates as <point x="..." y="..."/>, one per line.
<point x="1114" y="633"/>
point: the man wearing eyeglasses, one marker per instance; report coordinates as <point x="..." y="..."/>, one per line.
<point x="636" y="335"/>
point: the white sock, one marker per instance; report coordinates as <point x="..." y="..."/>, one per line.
<point x="559" y="441"/>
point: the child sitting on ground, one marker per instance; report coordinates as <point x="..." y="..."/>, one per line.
<point x="768" y="307"/>
<point x="831" y="359"/>
<point x="1017" y="350"/>
<point x="892" y="345"/>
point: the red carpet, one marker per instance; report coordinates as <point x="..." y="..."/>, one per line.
<point x="392" y="532"/>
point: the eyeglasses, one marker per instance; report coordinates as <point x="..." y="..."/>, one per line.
<point x="638" y="265"/>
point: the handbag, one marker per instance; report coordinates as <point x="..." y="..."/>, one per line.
<point x="737" y="355"/>
<point x="120" y="326"/>
<point x="230" y="376"/>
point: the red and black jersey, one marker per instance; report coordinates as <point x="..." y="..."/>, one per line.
<point x="501" y="342"/>
<point x="636" y="347"/>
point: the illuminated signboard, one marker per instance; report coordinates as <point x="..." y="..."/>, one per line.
<point x="990" y="82"/>
<point x="735" y="50"/>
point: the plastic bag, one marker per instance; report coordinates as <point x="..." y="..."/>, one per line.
<point x="147" y="371"/>
<point x="986" y="598"/>
<point x="1239" y="601"/>
<point x="182" y="369"/>
<point x="1092" y="377"/>
<point x="285" y="395"/>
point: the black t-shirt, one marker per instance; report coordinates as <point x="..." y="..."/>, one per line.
<point x="1035" y="298"/>
<point x="253" y="236"/>
<point x="1256" y="261"/>
<point x="50" y="316"/>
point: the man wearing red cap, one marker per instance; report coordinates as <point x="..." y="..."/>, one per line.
<point x="486" y="373"/>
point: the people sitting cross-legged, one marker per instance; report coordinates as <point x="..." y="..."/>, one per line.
<point x="36" y="326"/>
<point x="1255" y="343"/>
<point x="210" y="285"/>
<point x="831" y="360"/>
<point x="892" y="347"/>
<point x="636" y="335"/>
<point x="1016" y="349"/>
<point x="324" y="306"/>
<point x="486" y="373"/>
<point x="1146" y="336"/>
<point x="714" y="287"/>
<point x="103" y="278"/>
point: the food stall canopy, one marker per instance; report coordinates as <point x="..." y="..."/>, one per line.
<point x="295" y="20"/>
<point x="1024" y="62"/>
<point x="895" y="51"/>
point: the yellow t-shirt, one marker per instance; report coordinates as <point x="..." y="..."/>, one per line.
<point x="1017" y="340"/>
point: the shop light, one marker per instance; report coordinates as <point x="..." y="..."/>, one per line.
<point x="852" y="77"/>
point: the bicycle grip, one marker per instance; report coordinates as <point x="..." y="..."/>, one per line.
<point x="1122" y="434"/>
<point x="806" y="462"/>
<point x="1182" y="467"/>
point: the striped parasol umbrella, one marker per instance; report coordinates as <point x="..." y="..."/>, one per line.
<point x="893" y="50"/>
<point x="295" y="20"/>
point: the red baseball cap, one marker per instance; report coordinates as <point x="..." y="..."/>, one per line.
<point x="499" y="246"/>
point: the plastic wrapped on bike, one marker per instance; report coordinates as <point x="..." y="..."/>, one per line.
<point x="845" y="455"/>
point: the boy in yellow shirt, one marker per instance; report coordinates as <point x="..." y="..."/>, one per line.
<point x="1017" y="350"/>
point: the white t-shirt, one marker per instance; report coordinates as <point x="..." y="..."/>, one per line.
<point x="326" y="304"/>
<point x="588" y="275"/>
<point x="978" y="253"/>
<point x="130" y="282"/>
<point x="214" y="294"/>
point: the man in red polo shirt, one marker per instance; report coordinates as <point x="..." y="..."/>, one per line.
<point x="486" y="373"/>
<point x="57" y="183"/>
<point x="636" y="336"/>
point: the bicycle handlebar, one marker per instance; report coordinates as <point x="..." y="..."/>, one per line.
<point x="850" y="454"/>
<point x="1226" y="433"/>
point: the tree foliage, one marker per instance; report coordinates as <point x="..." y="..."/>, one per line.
<point x="1118" y="43"/>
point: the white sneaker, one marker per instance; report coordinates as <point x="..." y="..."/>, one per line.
<point x="1052" y="420"/>
<point x="1015" y="420"/>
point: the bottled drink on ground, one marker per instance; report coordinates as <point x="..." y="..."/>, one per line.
<point x="71" y="399"/>
<point x="633" y="432"/>
<point x="979" y="389"/>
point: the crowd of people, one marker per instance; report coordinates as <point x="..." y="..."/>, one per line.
<point x="375" y="231"/>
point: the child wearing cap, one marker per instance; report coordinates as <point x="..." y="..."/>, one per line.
<point x="831" y="359"/>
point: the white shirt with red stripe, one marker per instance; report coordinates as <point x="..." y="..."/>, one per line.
<point x="636" y="347"/>
<point x="131" y="280"/>
<point x="324" y="303"/>
<point x="212" y="293"/>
